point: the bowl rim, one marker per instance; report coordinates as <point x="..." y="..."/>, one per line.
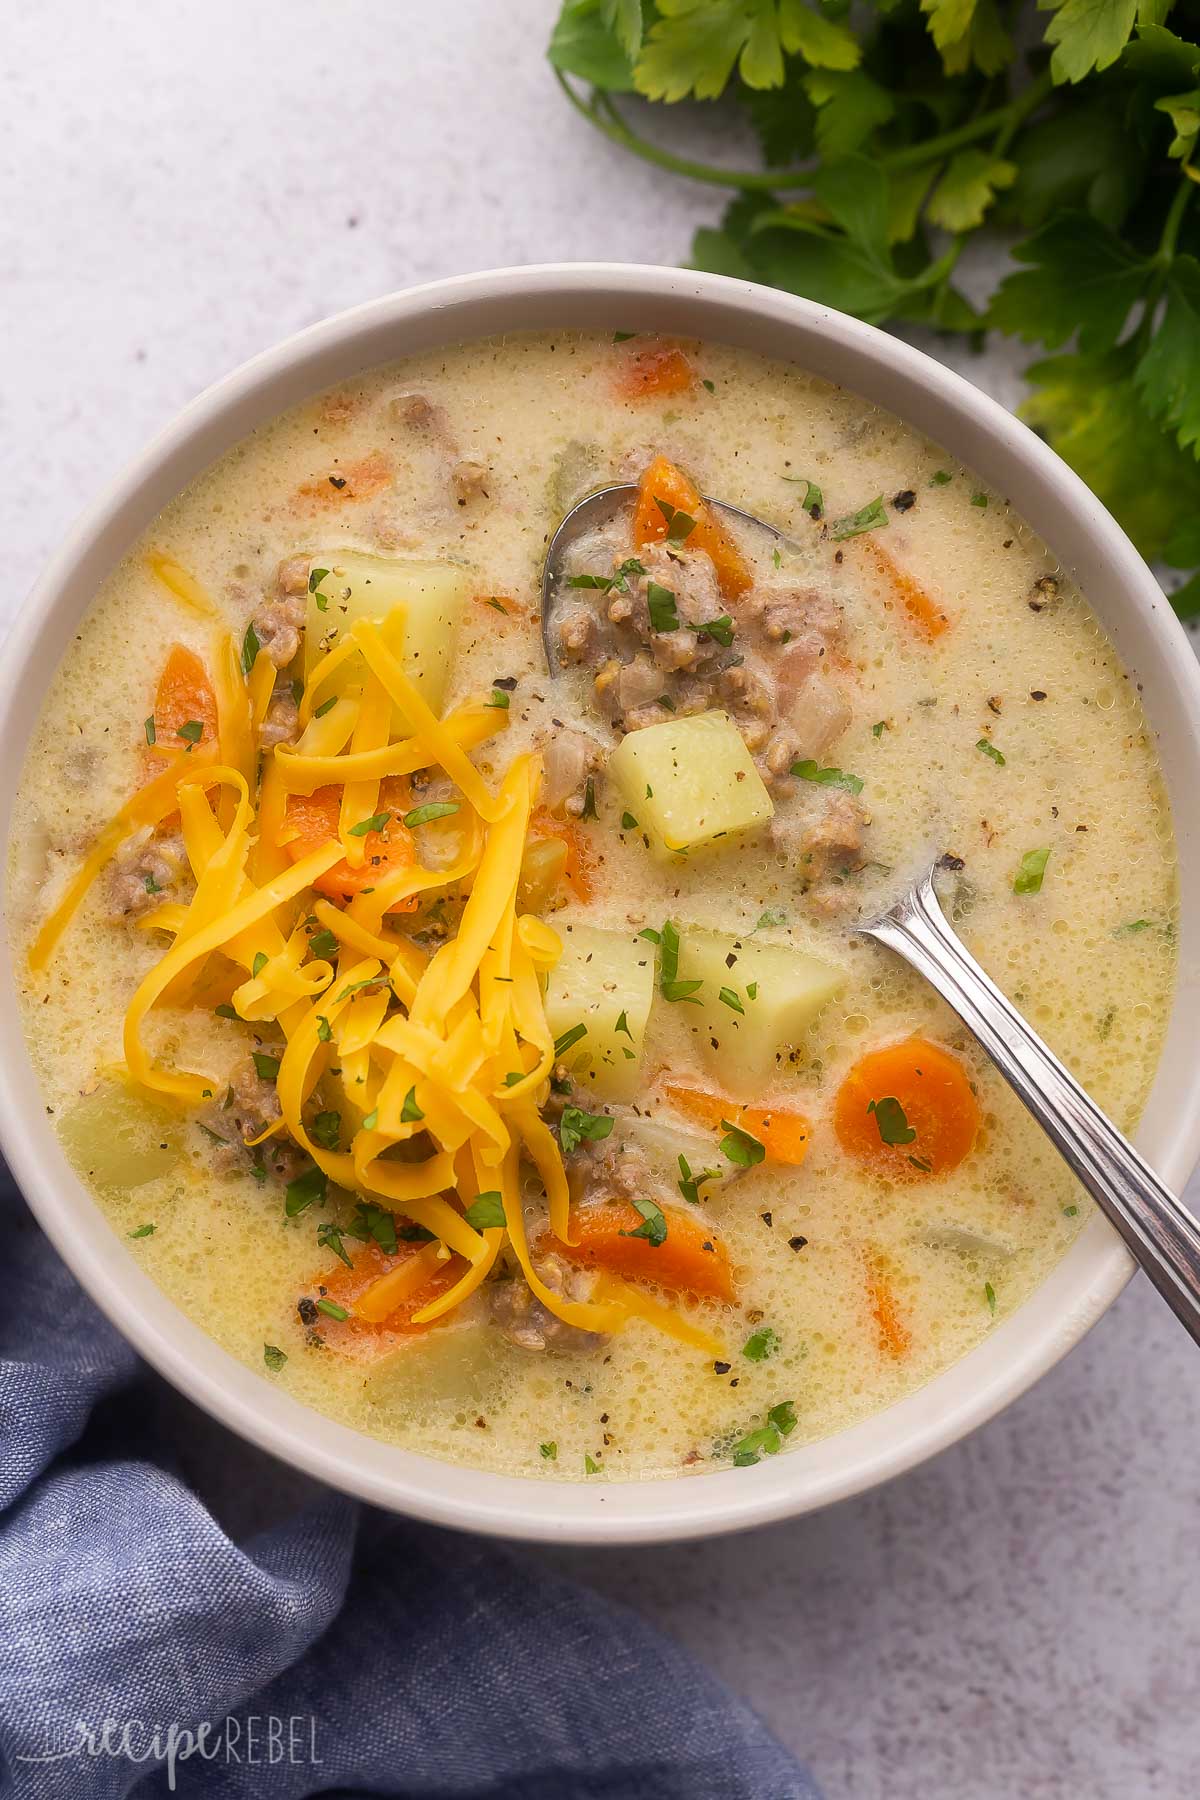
<point x="972" y="427"/>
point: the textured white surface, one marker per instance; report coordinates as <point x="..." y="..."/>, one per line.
<point x="181" y="187"/>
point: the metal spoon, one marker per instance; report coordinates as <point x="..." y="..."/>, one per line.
<point x="1158" y="1229"/>
<point x="589" y="512"/>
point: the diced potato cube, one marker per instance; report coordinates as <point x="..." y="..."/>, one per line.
<point x="605" y="982"/>
<point x="779" y="992"/>
<point x="118" y="1139"/>
<point x="354" y="586"/>
<point x="690" y="782"/>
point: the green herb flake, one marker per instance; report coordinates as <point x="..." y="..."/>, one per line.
<point x="720" y="630"/>
<point x="807" y="770"/>
<point x="680" y="525"/>
<point x="266" y="1067"/>
<point x="660" y="602"/>
<point x="771" y="919"/>
<point x="324" y="1029"/>
<point x="761" y="1345"/>
<point x="376" y="822"/>
<point x="307" y="1188"/>
<point x="669" y="985"/>
<point x="622" y="1024"/>
<point x="326" y="1128"/>
<point x="323" y="945"/>
<point x="576" y="1125"/>
<point x="783" y="1417"/>
<point x="589" y="798"/>
<point x="729" y="997"/>
<point x="1028" y="878"/>
<point x="989" y="1294"/>
<point x="549" y="1451"/>
<point x="486" y="1212"/>
<point x="750" y="1449"/>
<point x="940" y="477"/>
<point x="225" y="1011"/>
<point x="690" y="1183"/>
<point x="628" y="822"/>
<point x="329" y="1237"/>
<point x="879" y="727"/>
<point x="192" y="731"/>
<point x="260" y="962"/>
<point x="814" y="500"/>
<point x="979" y="500"/>
<point x="433" y="809"/>
<point x="250" y="648"/>
<point x="274" y="1357"/>
<point x="410" y="1112"/>
<point x="144" y="1231"/>
<point x="151" y="730"/>
<point x="1070" y="1211"/>
<point x="892" y="1121"/>
<point x="332" y="1310"/>
<point x="868" y="518"/>
<point x="371" y="1120"/>
<point x="590" y="1467"/>
<point x="739" y="1146"/>
<point x="990" y="749"/>
<point x="325" y="706"/>
<point x="568" y="1040"/>
<point x="653" y="1226"/>
<point x="1133" y="927"/>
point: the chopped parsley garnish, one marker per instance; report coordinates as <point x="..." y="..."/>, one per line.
<point x="332" y="1310"/>
<point x="660" y="602"/>
<point x="568" y="1039"/>
<point x="604" y="584"/>
<point x="266" y="1067"/>
<point x="690" y="1183"/>
<point x="325" y="706"/>
<point x="670" y="987"/>
<point x="814" y="500"/>
<point x="989" y="1294"/>
<point x="144" y="1231"/>
<point x="250" y="648"/>
<point x="739" y="1146"/>
<point x="706" y="383"/>
<point x="940" y="477"/>
<point x="301" y="1193"/>
<point x="767" y="920"/>
<point x="192" y="731"/>
<point x="410" y="1112"/>
<point x="979" y="500"/>
<point x="576" y="1125"/>
<point x="730" y="998"/>
<point x="783" y="1417"/>
<point x="260" y="962"/>
<point x="323" y="944"/>
<point x="329" y="1235"/>
<point x="590" y="1467"/>
<point x="376" y="822"/>
<point x="433" y="809"/>
<point x="680" y="525"/>
<point x="879" y="727"/>
<point x="719" y="629"/>
<point x="324" y="1029"/>
<point x="764" y="1343"/>
<point x="748" y="1450"/>
<point x="623" y="337"/>
<point x="867" y="518"/>
<point x="274" y="1357"/>
<point x="151" y="730"/>
<point x="807" y="770"/>
<point x="371" y="1119"/>
<point x="225" y="1011"/>
<point x="752" y="990"/>
<point x="499" y="700"/>
<point x="486" y="1212"/>
<point x="1070" y="1211"/>
<point x="651" y="936"/>
<point x="892" y="1121"/>
<point x="1133" y="927"/>
<point x="653" y="1226"/>
<point x="374" y="1224"/>
<point x="989" y="749"/>
<point x="354" y="987"/>
<point x="589" y="798"/>
<point x="628" y="822"/>
<point x="1028" y="878"/>
<point x="151" y="886"/>
<point x="315" y="579"/>
<point x="549" y="1451"/>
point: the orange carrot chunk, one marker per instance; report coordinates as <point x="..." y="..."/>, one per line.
<point x="310" y="820"/>
<point x="663" y="483"/>
<point x="579" y="868"/>
<point x="783" y="1135"/>
<point x="895" y="1338"/>
<point x="924" y="611"/>
<point x="341" y="1287"/>
<point x="360" y="480"/>
<point x="184" y="700"/>
<point x="907" y="1111"/>
<point x="655" y="373"/>
<point x="689" y="1260"/>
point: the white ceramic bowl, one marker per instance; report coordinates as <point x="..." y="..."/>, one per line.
<point x="1010" y="459"/>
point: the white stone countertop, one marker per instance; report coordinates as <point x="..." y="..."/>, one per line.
<point x="182" y="186"/>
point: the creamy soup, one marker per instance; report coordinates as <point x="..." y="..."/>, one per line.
<point x="487" y="1055"/>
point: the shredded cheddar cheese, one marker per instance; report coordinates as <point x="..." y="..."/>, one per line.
<point x="439" y="1063"/>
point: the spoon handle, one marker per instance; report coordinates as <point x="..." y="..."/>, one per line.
<point x="1161" y="1233"/>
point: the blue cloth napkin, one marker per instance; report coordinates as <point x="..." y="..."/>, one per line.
<point x="341" y="1652"/>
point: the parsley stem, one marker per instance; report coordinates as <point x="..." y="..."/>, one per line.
<point x="1007" y="119"/>
<point x="1173" y="221"/>
<point x="603" y="114"/>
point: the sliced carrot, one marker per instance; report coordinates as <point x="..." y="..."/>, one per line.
<point x="783" y="1135"/>
<point x="895" y="1338"/>
<point x="655" y="373"/>
<point x="928" y="1093"/>
<point x="690" y="1260"/>
<point x="579" y="869"/>
<point x="310" y="820"/>
<point x="364" y="1339"/>
<point x="184" y="698"/>
<point x="662" y="481"/>
<point x="361" y="480"/>
<point x="924" y="611"/>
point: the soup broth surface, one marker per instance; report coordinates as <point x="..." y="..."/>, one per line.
<point x="987" y="720"/>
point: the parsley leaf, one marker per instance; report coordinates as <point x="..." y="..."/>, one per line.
<point x="892" y="1121"/>
<point x="433" y="809"/>
<point x="868" y="518"/>
<point x="990" y="749"/>
<point x="307" y="1188"/>
<point x="761" y="1345"/>
<point x="1028" y="878"/>
<point x="739" y="1146"/>
<point x="376" y="822"/>
<point x="653" y="1226"/>
<point x="669" y="985"/>
<point x="811" y="771"/>
<point x="660" y="602"/>
<point x="690" y="1184"/>
<point x="274" y="1357"/>
<point x="486" y="1212"/>
<point x="576" y="1125"/>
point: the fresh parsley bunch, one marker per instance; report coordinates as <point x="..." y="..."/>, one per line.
<point x="892" y="132"/>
